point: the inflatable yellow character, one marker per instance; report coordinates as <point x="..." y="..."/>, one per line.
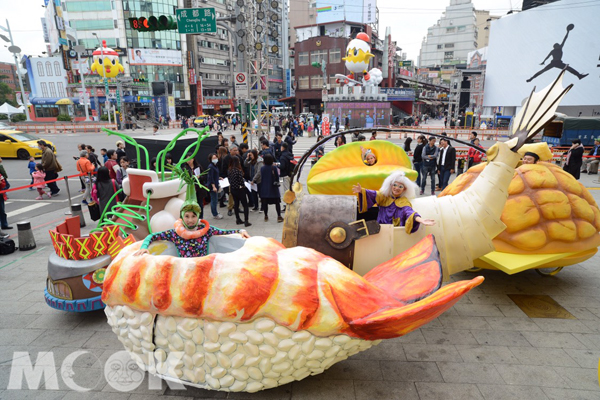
<point x="106" y="62"/>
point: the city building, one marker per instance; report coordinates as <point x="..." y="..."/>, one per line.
<point x="301" y="13"/>
<point x="483" y="20"/>
<point x="8" y="75"/>
<point x="146" y="56"/>
<point x="451" y="39"/>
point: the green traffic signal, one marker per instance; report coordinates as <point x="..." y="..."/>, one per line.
<point x="161" y="23"/>
<point x="316" y="64"/>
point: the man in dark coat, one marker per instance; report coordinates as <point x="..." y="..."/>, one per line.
<point x="446" y="161"/>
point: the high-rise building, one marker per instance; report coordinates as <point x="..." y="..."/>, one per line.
<point x="484" y="23"/>
<point x="451" y="39"/>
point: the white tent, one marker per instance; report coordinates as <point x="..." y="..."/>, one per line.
<point x="9" y="110"/>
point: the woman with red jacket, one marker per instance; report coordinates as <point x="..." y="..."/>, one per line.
<point x="474" y="156"/>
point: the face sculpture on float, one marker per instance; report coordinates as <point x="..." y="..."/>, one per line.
<point x="106" y="62"/>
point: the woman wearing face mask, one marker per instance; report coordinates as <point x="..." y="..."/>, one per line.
<point x="212" y="183"/>
<point x="393" y="202"/>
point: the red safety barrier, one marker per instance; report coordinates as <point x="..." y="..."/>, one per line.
<point x="45" y="182"/>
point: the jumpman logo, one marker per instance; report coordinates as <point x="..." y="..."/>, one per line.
<point x="556" y="54"/>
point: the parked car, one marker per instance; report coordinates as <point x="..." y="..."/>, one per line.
<point x="201" y="121"/>
<point x="21" y="145"/>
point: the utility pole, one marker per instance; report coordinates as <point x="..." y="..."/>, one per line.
<point x="16" y="50"/>
<point x="79" y="49"/>
<point x="106" y="91"/>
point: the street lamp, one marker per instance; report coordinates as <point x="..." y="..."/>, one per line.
<point x="79" y="49"/>
<point x="15" y="50"/>
<point x="104" y="75"/>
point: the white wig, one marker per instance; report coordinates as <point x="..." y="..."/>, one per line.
<point x="410" y="191"/>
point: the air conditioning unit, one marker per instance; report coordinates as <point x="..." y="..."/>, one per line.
<point x="223" y="82"/>
<point x="204" y="1"/>
<point x="229" y="8"/>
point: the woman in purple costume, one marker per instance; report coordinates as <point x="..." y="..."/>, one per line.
<point x="393" y="202"/>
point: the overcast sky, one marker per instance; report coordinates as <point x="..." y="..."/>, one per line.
<point x="409" y="21"/>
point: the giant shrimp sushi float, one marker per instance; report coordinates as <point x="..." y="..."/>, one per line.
<point x="265" y="315"/>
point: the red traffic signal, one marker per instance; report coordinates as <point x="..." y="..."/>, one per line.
<point x="161" y="23"/>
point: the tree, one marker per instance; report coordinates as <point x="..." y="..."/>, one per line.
<point x="7" y="95"/>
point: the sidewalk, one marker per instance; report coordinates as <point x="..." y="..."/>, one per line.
<point x="485" y="347"/>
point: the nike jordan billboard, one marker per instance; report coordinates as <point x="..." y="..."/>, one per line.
<point x="530" y="48"/>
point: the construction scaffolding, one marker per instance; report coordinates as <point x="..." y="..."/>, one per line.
<point x="466" y="91"/>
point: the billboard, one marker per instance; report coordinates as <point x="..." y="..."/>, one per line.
<point x="530" y="48"/>
<point x="155" y="57"/>
<point x="362" y="11"/>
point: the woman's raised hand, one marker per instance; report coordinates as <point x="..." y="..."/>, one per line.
<point x="356" y="188"/>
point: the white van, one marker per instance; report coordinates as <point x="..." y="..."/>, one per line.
<point x="281" y="111"/>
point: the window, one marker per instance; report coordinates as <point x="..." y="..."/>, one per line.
<point x="48" y="68"/>
<point x="462" y="28"/>
<point x="449" y="45"/>
<point x="40" y="68"/>
<point x="475" y="44"/>
<point x="303" y="82"/>
<point x="214" y="61"/>
<point x="448" y="55"/>
<point x="303" y="58"/>
<point x="335" y="56"/>
<point x="439" y="46"/>
<point x="57" y="68"/>
<point x="44" y="89"/>
<point x="52" y="89"/>
<point x="450" y="29"/>
<point x="92" y="25"/>
<point x="61" y="90"/>
<point x="316" y="82"/>
<point x="318" y="56"/>
<point x="87" y="6"/>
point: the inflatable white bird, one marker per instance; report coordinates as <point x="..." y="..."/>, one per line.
<point x="358" y="54"/>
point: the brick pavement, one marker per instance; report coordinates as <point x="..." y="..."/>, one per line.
<point x="483" y="348"/>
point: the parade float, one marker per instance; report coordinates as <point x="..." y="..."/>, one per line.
<point x="466" y="223"/>
<point x="256" y="314"/>
<point x="551" y="219"/>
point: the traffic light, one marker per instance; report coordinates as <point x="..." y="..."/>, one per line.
<point x="161" y="23"/>
<point x="316" y="64"/>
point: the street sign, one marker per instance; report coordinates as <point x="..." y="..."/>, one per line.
<point x="241" y="85"/>
<point x="196" y="20"/>
<point x="325" y="129"/>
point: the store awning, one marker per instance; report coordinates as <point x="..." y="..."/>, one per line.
<point x="287" y="99"/>
<point x="39" y="101"/>
<point x="64" y="102"/>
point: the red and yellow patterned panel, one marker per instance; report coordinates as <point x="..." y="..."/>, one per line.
<point x="99" y="243"/>
<point x="119" y="244"/>
<point x="70" y="246"/>
<point x="85" y="248"/>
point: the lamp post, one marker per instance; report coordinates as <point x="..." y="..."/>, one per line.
<point x="104" y="75"/>
<point x="15" y="50"/>
<point x="79" y="49"/>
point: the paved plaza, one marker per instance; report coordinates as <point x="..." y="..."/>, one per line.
<point x="485" y="347"/>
